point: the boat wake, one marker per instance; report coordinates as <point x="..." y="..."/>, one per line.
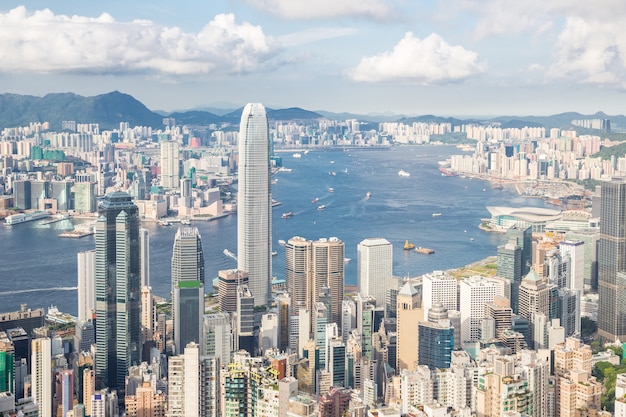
<point x="38" y="290"/>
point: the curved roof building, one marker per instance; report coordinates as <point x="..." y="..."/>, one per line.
<point x="502" y="218"/>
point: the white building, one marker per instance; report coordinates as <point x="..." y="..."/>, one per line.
<point x="217" y="336"/>
<point x="439" y="286"/>
<point x="416" y="387"/>
<point x="374" y="268"/>
<point x="576" y="252"/>
<point x="254" y="203"/>
<point x="86" y="284"/>
<point x="169" y="164"/>
<point x="474" y="293"/>
<point x="268" y="333"/>
<point x="41" y="375"/>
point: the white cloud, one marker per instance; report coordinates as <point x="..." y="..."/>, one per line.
<point x="591" y="52"/>
<point x="324" y="9"/>
<point x="41" y="41"/>
<point x="428" y="61"/>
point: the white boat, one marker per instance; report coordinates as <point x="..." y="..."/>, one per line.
<point x="297" y="155"/>
<point x="404" y="173"/>
<point x="321" y="207"/>
<point x="287" y="215"/>
<point x="436" y="214"/>
<point x="281" y="242"/>
<point x="283" y="169"/>
<point x="274" y="253"/>
<point x="315" y="200"/>
<point x="26" y="217"/>
<point x="306" y="152"/>
<point x="185" y="221"/>
<point x="331" y="190"/>
<point x="368" y="195"/>
<point x="332" y="173"/>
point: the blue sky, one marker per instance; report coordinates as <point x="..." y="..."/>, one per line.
<point x="445" y="57"/>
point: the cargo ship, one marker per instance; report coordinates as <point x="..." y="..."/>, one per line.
<point x="445" y="172"/>
<point x="26" y="217"/>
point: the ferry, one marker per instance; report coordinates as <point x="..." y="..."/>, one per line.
<point x="404" y="173"/>
<point x="26" y="217"/>
<point x="436" y="214"/>
<point x="368" y="195"/>
<point x="315" y="200"/>
<point x="322" y="207"/>
<point x="408" y="246"/>
<point x="297" y="155"/>
<point x="287" y="215"/>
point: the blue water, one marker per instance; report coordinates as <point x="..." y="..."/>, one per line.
<point x="39" y="268"/>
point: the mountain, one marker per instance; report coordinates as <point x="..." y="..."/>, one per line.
<point x="106" y="109"/>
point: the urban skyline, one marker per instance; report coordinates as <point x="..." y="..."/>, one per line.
<point x="459" y="58"/>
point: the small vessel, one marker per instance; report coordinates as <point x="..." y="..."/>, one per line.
<point x="408" y="246"/>
<point x="274" y="180"/>
<point x="287" y="215"/>
<point x="306" y="151"/>
<point x="164" y="223"/>
<point x="297" y="155"/>
<point x="321" y="207"/>
<point x="436" y="214"/>
<point x="346" y="260"/>
<point x="283" y="169"/>
<point x="274" y="253"/>
<point x="185" y="221"/>
<point x="471" y="239"/>
<point x="332" y="173"/>
<point x="404" y="173"/>
<point x="426" y="251"/>
<point x="332" y="162"/>
<point x="281" y="242"/>
<point x="368" y="194"/>
<point x="331" y="190"/>
<point x="315" y="200"/>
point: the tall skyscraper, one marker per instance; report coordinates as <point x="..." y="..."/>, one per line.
<point x="118" y="321"/>
<point x="86" y="284"/>
<point x="374" y="268"/>
<point x="509" y="263"/>
<point x="408" y="314"/>
<point x="187" y="286"/>
<point x="144" y="245"/>
<point x="41" y="375"/>
<point x="170" y="175"/>
<point x="612" y="261"/>
<point x="254" y="203"/>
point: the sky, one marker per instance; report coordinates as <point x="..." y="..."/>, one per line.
<point x="445" y="57"/>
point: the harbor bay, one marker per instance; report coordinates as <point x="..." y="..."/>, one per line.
<point x="363" y="196"/>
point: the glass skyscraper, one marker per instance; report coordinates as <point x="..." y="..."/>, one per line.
<point x="254" y="203"/>
<point x="612" y="261"/>
<point x="118" y="301"/>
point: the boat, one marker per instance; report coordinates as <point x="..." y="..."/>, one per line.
<point x="332" y="162"/>
<point x="281" y="242"/>
<point x="346" y="261"/>
<point x="426" y="251"/>
<point x="404" y="173"/>
<point x="408" y="246"/>
<point x="315" y="200"/>
<point x="331" y="190"/>
<point x="436" y="214"/>
<point x="446" y="172"/>
<point x="275" y="181"/>
<point x="322" y="207"/>
<point x="287" y="215"/>
<point x="306" y="151"/>
<point x="26" y="217"/>
<point x="368" y="194"/>
<point x="164" y="223"/>
<point x="297" y="155"/>
<point x="274" y="253"/>
<point x="185" y="221"/>
<point x="332" y="173"/>
<point x="283" y="169"/>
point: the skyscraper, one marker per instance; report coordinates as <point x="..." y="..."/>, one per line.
<point x="86" y="282"/>
<point x="118" y="321"/>
<point x="41" y="375"/>
<point x="612" y="261"/>
<point x="254" y="203"/>
<point x="169" y="164"/>
<point x="374" y="268"/>
<point x="187" y="286"/>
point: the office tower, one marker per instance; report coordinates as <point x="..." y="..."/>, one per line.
<point x="254" y="203"/>
<point x="217" y="336"/>
<point x="147" y="402"/>
<point x="39" y="192"/>
<point x="61" y="192"/>
<point x="7" y="364"/>
<point x="85" y="197"/>
<point x="436" y="343"/>
<point x="523" y="236"/>
<point x="393" y="286"/>
<point x="283" y="304"/>
<point x="416" y="387"/>
<point x="169" y="164"/>
<point x="244" y="325"/>
<point x="228" y="281"/>
<point x="439" y="286"/>
<point x="319" y="322"/>
<point x="374" y="268"/>
<point x="536" y="297"/>
<point x="147" y="313"/>
<point x="509" y="266"/>
<point x="41" y="375"/>
<point x="144" y="247"/>
<point x="21" y="194"/>
<point x="590" y="238"/>
<point x="576" y="253"/>
<point x="312" y="266"/>
<point x="268" y="332"/>
<point x="86" y="284"/>
<point x="67" y="390"/>
<point x="474" y="292"/>
<point x="348" y="318"/>
<point x="187" y="286"/>
<point x="612" y="261"/>
<point x="500" y="311"/>
<point x="118" y="300"/>
<point x="408" y="313"/>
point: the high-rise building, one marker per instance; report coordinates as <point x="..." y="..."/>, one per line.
<point x="254" y="203"/>
<point x="523" y="236"/>
<point x="7" y="364"/>
<point x="576" y="253"/>
<point x="408" y="314"/>
<point x="374" y="268"/>
<point x="187" y="256"/>
<point x="536" y="296"/>
<point x="474" y="292"/>
<point x="217" y="336"/>
<point x="439" y="286"/>
<point x="509" y="266"/>
<point x="41" y="375"/>
<point x="144" y="246"/>
<point x="298" y="273"/>
<point x="612" y="261"/>
<point x="170" y="172"/>
<point x="86" y="284"/>
<point x="85" y="197"/>
<point x="228" y="281"/>
<point x="118" y="299"/>
<point x="590" y="238"/>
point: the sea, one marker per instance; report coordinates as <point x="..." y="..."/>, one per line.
<point x="39" y="269"/>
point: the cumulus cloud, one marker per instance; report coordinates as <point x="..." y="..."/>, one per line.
<point x="42" y="41"/>
<point x="592" y="52"/>
<point x="324" y="9"/>
<point x="428" y="61"/>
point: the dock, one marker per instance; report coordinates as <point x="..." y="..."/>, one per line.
<point x="76" y="234"/>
